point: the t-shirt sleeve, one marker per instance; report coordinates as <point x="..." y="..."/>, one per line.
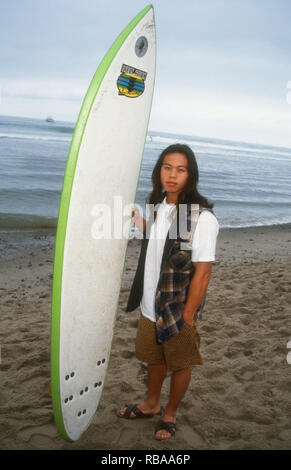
<point x="205" y="236"/>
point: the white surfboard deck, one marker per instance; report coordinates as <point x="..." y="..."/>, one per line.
<point x="107" y="165"/>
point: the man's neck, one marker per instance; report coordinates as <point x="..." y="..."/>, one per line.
<point x="171" y="199"/>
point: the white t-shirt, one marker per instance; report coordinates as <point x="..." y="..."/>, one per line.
<point x="203" y="249"/>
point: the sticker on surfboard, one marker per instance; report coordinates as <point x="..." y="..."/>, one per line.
<point x="131" y="81"/>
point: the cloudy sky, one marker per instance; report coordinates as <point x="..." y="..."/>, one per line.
<point x="223" y="66"/>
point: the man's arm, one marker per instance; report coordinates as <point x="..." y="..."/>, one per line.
<point x="197" y="289"/>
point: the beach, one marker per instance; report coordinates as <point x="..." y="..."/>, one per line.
<point x="240" y="398"/>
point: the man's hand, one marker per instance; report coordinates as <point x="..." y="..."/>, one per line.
<point x="137" y="219"/>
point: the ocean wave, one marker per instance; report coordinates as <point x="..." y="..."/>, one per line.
<point x="233" y="149"/>
<point x="264" y="223"/>
<point x="48" y="138"/>
<point x="244" y="155"/>
<point x="256" y="203"/>
<point x="46" y="194"/>
<point x="223" y="144"/>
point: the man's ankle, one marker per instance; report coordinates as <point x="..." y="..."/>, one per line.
<point x="153" y="404"/>
<point x="170" y="413"/>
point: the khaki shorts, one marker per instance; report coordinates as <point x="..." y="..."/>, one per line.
<point x="179" y="352"/>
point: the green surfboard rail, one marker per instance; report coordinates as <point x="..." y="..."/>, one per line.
<point x="63" y="215"/>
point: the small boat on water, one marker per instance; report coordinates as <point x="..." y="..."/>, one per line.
<point x="50" y="119"/>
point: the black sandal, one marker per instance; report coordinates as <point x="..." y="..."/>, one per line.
<point x="132" y="408"/>
<point x="166" y="426"/>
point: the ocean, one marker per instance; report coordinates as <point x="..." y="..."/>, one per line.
<point x="249" y="184"/>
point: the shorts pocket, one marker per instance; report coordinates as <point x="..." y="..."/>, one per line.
<point x="192" y="333"/>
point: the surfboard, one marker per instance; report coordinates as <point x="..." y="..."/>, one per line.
<point x="103" y="167"/>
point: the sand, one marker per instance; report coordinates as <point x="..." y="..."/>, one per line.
<point x="239" y="399"/>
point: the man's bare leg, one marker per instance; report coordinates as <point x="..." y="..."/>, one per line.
<point x="179" y="384"/>
<point x="156" y="376"/>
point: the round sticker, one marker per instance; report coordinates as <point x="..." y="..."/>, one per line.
<point x="141" y="46"/>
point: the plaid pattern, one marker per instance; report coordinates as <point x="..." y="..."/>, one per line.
<point x="176" y="273"/>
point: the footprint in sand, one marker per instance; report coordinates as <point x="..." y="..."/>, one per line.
<point x="191" y="437"/>
<point x="127" y="354"/>
<point x="40" y="437"/>
<point x="126" y="435"/>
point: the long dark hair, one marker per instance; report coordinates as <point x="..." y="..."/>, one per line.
<point x="190" y="192"/>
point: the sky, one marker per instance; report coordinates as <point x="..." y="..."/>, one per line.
<point x="223" y="66"/>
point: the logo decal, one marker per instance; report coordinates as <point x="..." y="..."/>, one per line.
<point x="131" y="81"/>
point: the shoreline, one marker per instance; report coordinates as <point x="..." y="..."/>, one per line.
<point x="235" y="246"/>
<point x="239" y="399"/>
<point x="52" y="230"/>
<point x="15" y="236"/>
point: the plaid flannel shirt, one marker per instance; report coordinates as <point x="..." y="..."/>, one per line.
<point x="176" y="273"/>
